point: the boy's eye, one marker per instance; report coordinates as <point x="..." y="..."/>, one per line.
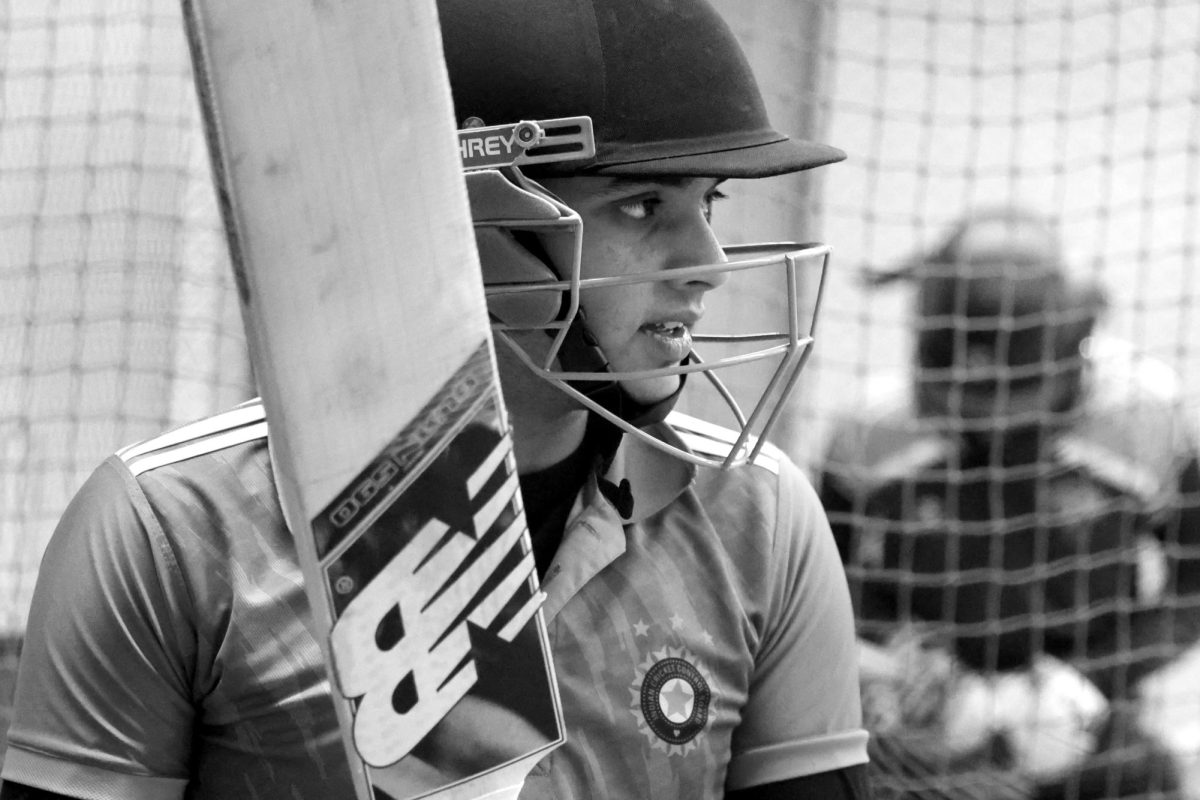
<point x="709" y="199"/>
<point x="639" y="208"/>
<point x="646" y="206"/>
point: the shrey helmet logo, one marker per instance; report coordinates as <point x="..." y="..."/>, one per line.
<point x="524" y="143"/>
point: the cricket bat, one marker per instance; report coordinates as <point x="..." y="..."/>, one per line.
<point x="332" y="139"/>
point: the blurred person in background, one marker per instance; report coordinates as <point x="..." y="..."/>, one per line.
<point x="1020" y="524"/>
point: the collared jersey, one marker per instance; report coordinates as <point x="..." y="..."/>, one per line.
<point x="1076" y="554"/>
<point x="704" y="644"/>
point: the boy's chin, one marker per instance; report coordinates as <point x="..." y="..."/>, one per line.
<point x="652" y="390"/>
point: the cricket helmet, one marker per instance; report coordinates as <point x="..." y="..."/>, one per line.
<point x="1002" y="320"/>
<point x="613" y="88"/>
<point x="665" y="82"/>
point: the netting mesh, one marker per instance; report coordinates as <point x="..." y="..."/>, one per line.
<point x="1083" y="111"/>
<point x="117" y="316"/>
<point x="1086" y="114"/>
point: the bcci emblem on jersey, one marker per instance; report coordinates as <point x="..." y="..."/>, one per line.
<point x="672" y="697"/>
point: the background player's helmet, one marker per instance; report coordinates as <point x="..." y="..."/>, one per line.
<point x="669" y="92"/>
<point x="1002" y="321"/>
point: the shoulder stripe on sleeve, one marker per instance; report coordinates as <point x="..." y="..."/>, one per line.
<point x="242" y="424"/>
<point x="716" y="441"/>
<point x="1110" y="466"/>
<point x="909" y="459"/>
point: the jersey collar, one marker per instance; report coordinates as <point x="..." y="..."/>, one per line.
<point x="655" y="477"/>
<point x="595" y="532"/>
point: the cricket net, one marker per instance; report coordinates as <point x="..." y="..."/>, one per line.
<point x="117" y="313"/>
<point x="118" y="316"/>
<point x="1086" y="113"/>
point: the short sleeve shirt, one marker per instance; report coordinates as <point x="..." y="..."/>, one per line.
<point x="705" y="643"/>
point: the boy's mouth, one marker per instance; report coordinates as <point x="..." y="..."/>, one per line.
<point x="670" y="328"/>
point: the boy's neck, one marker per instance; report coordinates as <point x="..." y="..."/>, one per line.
<point x="542" y="440"/>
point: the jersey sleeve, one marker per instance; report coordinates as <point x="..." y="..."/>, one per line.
<point x="803" y="715"/>
<point x="103" y="702"/>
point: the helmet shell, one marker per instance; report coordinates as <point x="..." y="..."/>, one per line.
<point x="1001" y="323"/>
<point x="1000" y="277"/>
<point x="999" y="273"/>
<point x="665" y="82"/>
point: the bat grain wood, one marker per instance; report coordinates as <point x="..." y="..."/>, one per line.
<point x="335" y="157"/>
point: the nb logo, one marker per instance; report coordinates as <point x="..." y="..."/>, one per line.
<point x="402" y="648"/>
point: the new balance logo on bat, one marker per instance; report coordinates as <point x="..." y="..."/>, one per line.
<point x="427" y="568"/>
<point x="402" y="646"/>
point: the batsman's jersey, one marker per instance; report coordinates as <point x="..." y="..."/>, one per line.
<point x="704" y="643"/>
<point x="1078" y="553"/>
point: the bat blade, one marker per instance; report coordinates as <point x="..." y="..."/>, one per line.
<point x="334" y="153"/>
